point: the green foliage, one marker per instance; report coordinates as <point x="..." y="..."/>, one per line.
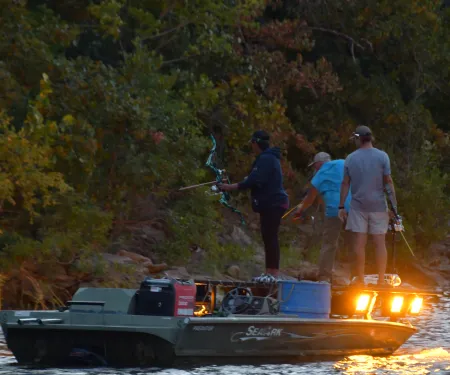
<point x="26" y="157"/>
<point x="193" y="222"/>
<point x="424" y="201"/>
<point x="108" y="103"/>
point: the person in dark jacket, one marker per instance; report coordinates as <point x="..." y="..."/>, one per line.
<point x="269" y="198"/>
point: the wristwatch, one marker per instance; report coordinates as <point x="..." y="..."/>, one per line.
<point x="341" y="207"/>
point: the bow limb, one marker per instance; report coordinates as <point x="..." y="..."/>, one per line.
<point x="220" y="177"/>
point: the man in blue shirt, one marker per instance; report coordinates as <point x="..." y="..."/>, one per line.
<point x="326" y="182"/>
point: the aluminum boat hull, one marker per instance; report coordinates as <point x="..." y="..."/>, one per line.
<point x="130" y="340"/>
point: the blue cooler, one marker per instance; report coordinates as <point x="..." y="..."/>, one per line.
<point x="305" y="299"/>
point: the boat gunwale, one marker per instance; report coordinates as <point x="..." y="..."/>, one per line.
<point x="282" y="319"/>
<point x="250" y="319"/>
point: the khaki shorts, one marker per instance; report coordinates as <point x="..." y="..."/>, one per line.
<point x="367" y="222"/>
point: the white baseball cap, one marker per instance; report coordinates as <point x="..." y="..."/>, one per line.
<point x="321" y="156"/>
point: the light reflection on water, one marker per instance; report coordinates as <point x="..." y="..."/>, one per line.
<point x="427" y="352"/>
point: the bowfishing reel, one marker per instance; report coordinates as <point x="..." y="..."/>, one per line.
<point x="214" y="188"/>
<point x="396" y="224"/>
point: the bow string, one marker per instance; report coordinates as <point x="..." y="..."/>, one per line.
<point x="221" y="175"/>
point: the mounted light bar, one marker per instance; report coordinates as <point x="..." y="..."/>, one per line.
<point x="399" y="306"/>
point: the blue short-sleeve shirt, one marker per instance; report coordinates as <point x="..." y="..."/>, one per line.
<point x="327" y="182"/>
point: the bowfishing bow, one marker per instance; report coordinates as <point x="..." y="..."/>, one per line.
<point x="396" y="225"/>
<point x="221" y="176"/>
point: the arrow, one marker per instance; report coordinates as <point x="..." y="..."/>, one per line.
<point x="198" y="185"/>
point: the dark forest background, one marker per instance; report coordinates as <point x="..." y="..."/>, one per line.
<point x="106" y="109"/>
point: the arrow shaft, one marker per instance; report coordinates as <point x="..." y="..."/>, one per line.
<point x="198" y="185"/>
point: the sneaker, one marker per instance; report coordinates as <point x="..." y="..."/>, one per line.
<point x="265" y="279"/>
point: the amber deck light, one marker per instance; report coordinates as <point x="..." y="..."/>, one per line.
<point x="397" y="303"/>
<point x="416" y="305"/>
<point x="362" y="302"/>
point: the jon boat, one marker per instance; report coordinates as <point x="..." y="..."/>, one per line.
<point x="167" y="322"/>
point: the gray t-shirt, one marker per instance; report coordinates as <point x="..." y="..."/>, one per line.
<point x="366" y="168"/>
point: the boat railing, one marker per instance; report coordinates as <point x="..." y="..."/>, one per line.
<point x="347" y="302"/>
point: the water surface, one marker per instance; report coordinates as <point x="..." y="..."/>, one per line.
<point x="427" y="352"/>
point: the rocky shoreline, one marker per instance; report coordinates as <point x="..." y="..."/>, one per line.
<point x="38" y="286"/>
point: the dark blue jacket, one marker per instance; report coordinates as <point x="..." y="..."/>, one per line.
<point x="266" y="181"/>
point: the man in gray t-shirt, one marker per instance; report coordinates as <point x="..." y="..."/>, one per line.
<point x="366" y="172"/>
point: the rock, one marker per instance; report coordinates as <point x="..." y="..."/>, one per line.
<point x="177" y="273"/>
<point x="438" y="249"/>
<point x="239" y="237"/>
<point x="307" y="274"/>
<point x="137" y="258"/>
<point x="260" y="255"/>
<point x="234" y="271"/>
<point x="307" y="271"/>
<point x="444" y="265"/>
<point x="156" y="268"/>
<point x="153" y="235"/>
<point x="420" y="275"/>
<point x="289" y="273"/>
<point x="341" y="273"/>
<point x="114" y="247"/>
<point x="306" y="228"/>
<point x="197" y="256"/>
<point x="254" y="226"/>
<point x="113" y="258"/>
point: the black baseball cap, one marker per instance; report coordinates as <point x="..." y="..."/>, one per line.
<point x="260" y="135"/>
<point x="361" y="131"/>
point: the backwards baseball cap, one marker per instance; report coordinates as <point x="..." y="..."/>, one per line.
<point x="361" y="131"/>
<point x="321" y="156"/>
<point x="260" y="135"/>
